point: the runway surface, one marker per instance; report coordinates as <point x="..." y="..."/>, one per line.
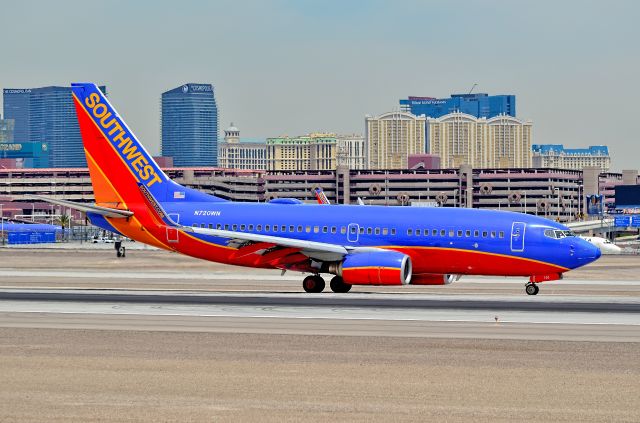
<point x="500" y="317"/>
<point x="161" y="337"/>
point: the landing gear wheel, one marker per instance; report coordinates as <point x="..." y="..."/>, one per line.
<point x="313" y="284"/>
<point x="531" y="288"/>
<point x="338" y="285"/>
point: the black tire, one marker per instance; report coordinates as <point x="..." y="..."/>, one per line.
<point x="338" y="285"/>
<point x="313" y="284"/>
<point x="531" y="289"/>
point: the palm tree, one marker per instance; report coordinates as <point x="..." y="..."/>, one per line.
<point x="64" y="220"/>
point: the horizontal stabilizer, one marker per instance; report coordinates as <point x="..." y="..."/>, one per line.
<point x="103" y="211"/>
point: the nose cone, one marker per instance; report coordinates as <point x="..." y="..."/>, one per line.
<point x="586" y="253"/>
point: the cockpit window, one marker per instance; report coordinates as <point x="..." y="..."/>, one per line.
<point x="558" y="234"/>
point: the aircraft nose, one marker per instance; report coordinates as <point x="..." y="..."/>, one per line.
<point x="587" y="253"/>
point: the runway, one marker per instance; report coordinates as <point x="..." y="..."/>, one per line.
<point x="161" y="337"/>
<point x="461" y="316"/>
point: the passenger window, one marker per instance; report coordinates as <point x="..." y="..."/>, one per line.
<point x="250" y="228"/>
<point x="361" y="230"/>
<point x="210" y="225"/>
<point x="418" y="233"/>
<point x="299" y="228"/>
<point x="393" y="231"/>
<point x="493" y="234"/>
<point x="467" y="233"/>
<point x="334" y="230"/>
<point x="275" y="228"/>
<point x="283" y="228"/>
<point x="307" y="229"/>
<point x="484" y="234"/>
<point x="369" y="231"/>
<point x="434" y="232"/>
<point x="218" y="226"/>
<point x="443" y="232"/>
<point x="377" y="231"/>
<point x="501" y="234"/>
<point x="353" y="230"/>
<point x="316" y="229"/>
<point x="426" y="232"/>
<point x="451" y="232"/>
<point x="235" y="227"/>
<point x="385" y="231"/>
<point x="476" y="233"/>
<point x="459" y="233"/>
<point x="243" y="227"/>
<point x="267" y="228"/>
<point x="292" y="228"/>
<point x="259" y="228"/>
<point x="409" y="232"/>
<point x="195" y="225"/>
<point x="343" y="230"/>
<point x="226" y="227"/>
<point x="325" y="229"/>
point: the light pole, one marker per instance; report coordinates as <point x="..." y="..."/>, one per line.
<point x="2" y="222"/>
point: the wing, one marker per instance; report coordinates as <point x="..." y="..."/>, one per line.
<point x="320" y="251"/>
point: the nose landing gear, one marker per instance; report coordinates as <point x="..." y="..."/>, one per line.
<point x="531" y="288"/>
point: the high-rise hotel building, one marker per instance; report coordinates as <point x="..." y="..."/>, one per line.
<point x="558" y="157"/>
<point x="392" y="137"/>
<point x="499" y="142"/>
<point x="234" y="154"/>
<point x="189" y="125"/>
<point x="47" y="117"/>
<point x="315" y="152"/>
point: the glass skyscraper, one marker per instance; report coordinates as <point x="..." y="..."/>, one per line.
<point x="16" y="107"/>
<point x="47" y="116"/>
<point x="478" y="105"/>
<point x="190" y="125"/>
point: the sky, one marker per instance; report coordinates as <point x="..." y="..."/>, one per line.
<point x="286" y="67"/>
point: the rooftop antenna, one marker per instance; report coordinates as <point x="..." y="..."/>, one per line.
<point x="474" y="85"/>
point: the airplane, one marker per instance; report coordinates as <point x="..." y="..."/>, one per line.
<point x="321" y="197"/>
<point x="605" y="245"/>
<point x="373" y="245"/>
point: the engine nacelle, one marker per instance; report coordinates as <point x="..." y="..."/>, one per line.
<point x="374" y="268"/>
<point x="432" y="279"/>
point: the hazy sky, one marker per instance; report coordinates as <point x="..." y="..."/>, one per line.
<point x="292" y="67"/>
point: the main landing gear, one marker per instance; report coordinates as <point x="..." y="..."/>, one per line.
<point x="531" y="288"/>
<point x="339" y="286"/>
<point x="315" y="284"/>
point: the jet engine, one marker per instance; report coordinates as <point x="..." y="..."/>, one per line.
<point x="374" y="268"/>
<point x="432" y="279"/>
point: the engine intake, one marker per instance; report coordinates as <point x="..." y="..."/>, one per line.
<point x="374" y="268"/>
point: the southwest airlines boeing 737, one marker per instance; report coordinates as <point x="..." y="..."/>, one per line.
<point x="359" y="245"/>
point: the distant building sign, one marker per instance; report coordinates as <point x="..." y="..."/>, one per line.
<point x="16" y="91"/>
<point x="622" y="221"/>
<point x="635" y="221"/>
<point x="10" y="147"/>
<point x="594" y="204"/>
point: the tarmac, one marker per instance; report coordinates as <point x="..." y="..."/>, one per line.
<point x="154" y="336"/>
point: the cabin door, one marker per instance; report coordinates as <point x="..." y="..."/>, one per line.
<point x="517" y="236"/>
<point x="172" y="233"/>
<point x="352" y="232"/>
